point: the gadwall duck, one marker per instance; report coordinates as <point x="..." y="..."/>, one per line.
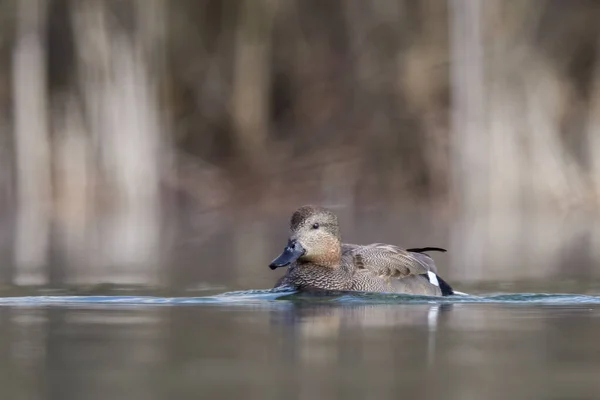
<point x="317" y="259"/>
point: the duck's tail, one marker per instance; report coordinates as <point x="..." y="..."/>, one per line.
<point x="444" y="286"/>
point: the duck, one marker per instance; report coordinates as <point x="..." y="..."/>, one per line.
<point x="316" y="259"/>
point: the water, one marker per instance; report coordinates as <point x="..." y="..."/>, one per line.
<point x="280" y="345"/>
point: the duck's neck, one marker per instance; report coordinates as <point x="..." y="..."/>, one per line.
<point x="329" y="258"/>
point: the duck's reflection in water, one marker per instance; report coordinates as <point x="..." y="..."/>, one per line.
<point x="387" y="337"/>
<point x="310" y="324"/>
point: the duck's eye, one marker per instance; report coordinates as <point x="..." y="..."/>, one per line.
<point x="316" y="225"/>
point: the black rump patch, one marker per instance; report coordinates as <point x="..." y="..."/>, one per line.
<point x="444" y="287"/>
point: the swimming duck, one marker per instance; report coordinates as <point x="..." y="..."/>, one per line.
<point x="317" y="259"/>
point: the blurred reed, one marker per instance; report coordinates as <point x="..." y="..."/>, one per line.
<point x="157" y="142"/>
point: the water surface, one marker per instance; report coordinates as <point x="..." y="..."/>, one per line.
<point x="280" y="345"/>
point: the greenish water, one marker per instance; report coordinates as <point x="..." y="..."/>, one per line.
<point x="280" y="297"/>
<point x="266" y="344"/>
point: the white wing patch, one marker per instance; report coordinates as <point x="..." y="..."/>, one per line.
<point x="433" y="278"/>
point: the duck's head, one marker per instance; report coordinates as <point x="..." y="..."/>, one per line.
<point x="314" y="238"/>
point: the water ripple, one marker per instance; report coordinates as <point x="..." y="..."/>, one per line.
<point x="280" y="296"/>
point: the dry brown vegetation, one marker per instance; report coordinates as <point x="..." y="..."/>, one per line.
<point x="124" y="121"/>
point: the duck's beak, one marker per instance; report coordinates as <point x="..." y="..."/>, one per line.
<point x="291" y="253"/>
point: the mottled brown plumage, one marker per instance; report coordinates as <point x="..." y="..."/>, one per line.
<point x="317" y="259"/>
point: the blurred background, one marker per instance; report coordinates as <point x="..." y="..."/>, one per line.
<point x="166" y="143"/>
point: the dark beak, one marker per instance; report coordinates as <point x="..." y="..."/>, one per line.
<point x="291" y="253"/>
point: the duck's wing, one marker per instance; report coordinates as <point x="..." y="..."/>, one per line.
<point x="389" y="261"/>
